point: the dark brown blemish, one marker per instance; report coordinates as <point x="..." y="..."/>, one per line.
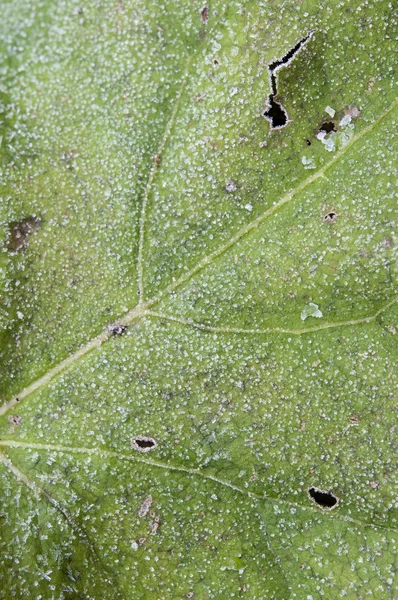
<point x="143" y="443"/>
<point x="20" y="232"/>
<point x="117" y="329"/>
<point x="204" y="13"/>
<point x="325" y="500"/>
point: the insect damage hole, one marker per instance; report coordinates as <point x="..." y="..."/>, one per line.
<point x="325" y="500"/>
<point x="327" y="127"/>
<point x="274" y="111"/>
<point x="143" y="443"/>
<point x="330" y="217"/>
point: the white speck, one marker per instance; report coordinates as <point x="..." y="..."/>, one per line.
<point x="248" y="207"/>
<point x="19" y="314"/>
<point x="346" y="135"/>
<point x="231" y="186"/>
<point x="134" y="545"/>
<point x="308" y="163"/>
<point x="328" y="141"/>
<point x="345" y="120"/>
<point x="233" y="91"/>
<point x="330" y="111"/>
<point x="311" y="310"/>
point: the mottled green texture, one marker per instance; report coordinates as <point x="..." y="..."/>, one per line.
<point x="260" y="344"/>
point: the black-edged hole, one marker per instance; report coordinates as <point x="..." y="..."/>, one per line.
<point x="275" y="113"/>
<point x="143" y="443"/>
<point x="330" y="217"/>
<point x="308" y="142"/>
<point x="289" y="55"/>
<point x="328" y="127"/>
<point x="322" y="498"/>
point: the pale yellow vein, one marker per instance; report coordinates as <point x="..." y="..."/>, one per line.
<point x="141" y="308"/>
<point x="104" y="454"/>
<point x="269" y="330"/>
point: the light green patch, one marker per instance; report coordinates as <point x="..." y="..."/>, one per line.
<point x="202" y="324"/>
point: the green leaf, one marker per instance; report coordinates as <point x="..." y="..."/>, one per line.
<point x="198" y="312"/>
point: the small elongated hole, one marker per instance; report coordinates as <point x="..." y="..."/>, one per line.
<point x="323" y="499"/>
<point x="274" y="111"/>
<point x="143" y="443"/>
<point x="330" y="217"/>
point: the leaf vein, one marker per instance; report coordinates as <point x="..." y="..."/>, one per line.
<point x="102" y="453"/>
<point x="272" y="330"/>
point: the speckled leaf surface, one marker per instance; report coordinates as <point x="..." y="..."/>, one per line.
<point x="197" y="311"/>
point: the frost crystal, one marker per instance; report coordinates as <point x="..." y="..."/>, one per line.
<point x="308" y="163"/>
<point x="311" y="310"/>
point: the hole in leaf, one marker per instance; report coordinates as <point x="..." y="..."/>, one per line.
<point x="330" y="217"/>
<point x="274" y="111"/>
<point x="328" y="127"/>
<point x="290" y="54"/>
<point x="143" y="443"/>
<point x="323" y="499"/>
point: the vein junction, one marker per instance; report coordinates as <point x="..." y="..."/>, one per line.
<point x="143" y="309"/>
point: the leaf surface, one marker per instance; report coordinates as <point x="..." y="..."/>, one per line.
<point x="198" y="312"/>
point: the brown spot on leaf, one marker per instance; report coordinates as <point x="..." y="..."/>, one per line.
<point x="154" y="524"/>
<point x="352" y="111"/>
<point x="20" y="232"/>
<point x="204" y="13"/>
<point x="145" y="507"/>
